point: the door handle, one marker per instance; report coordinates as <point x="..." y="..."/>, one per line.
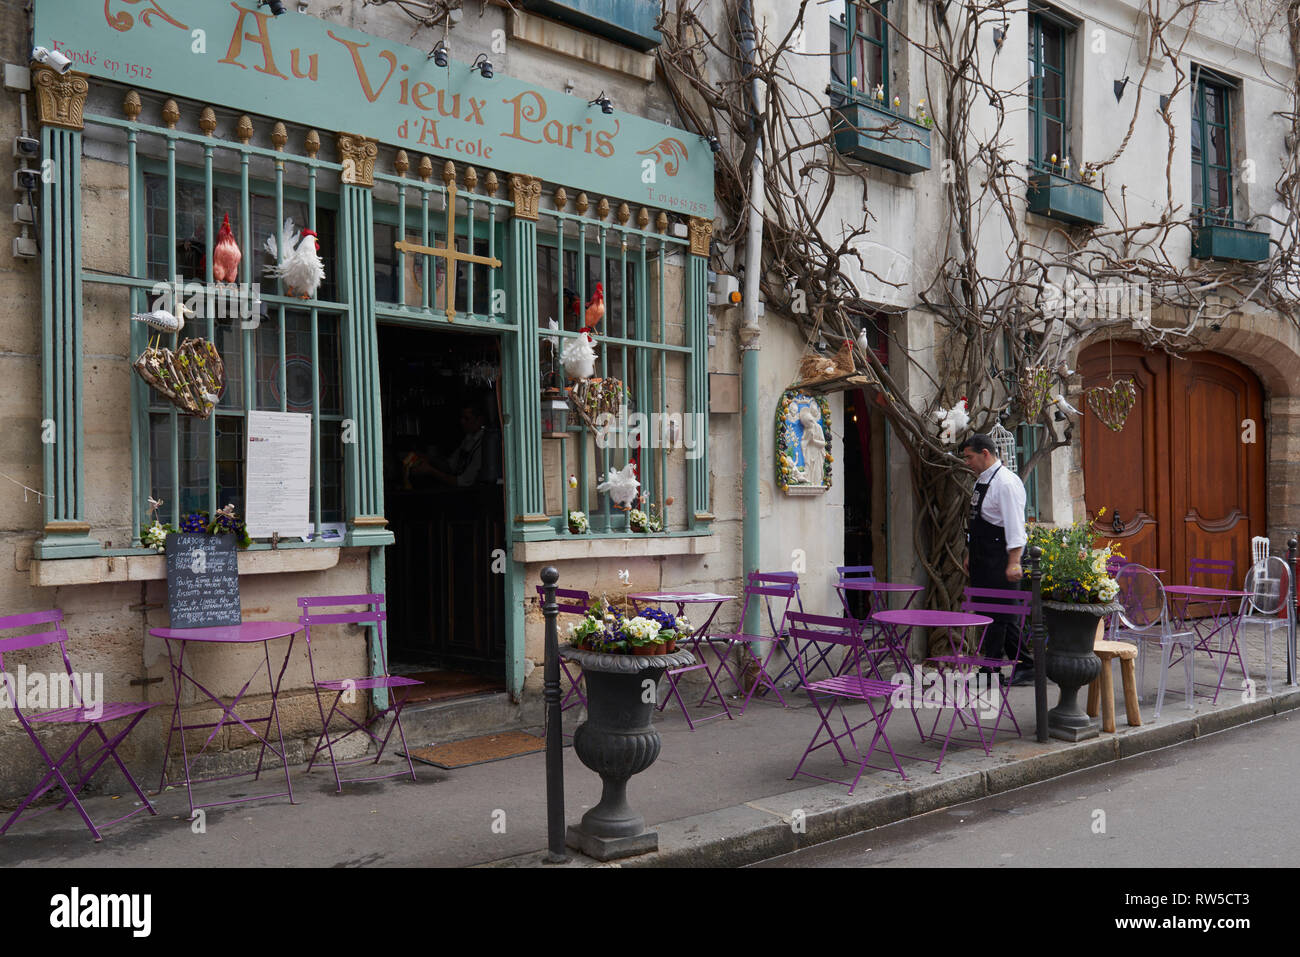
<point x="1116" y="523"/>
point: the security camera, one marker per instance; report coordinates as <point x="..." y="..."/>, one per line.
<point x="52" y="58"/>
<point x="26" y="147"/>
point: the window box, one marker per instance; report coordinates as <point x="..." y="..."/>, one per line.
<point x="630" y="22"/>
<point x="1059" y="198"/>
<point x="875" y="135"/>
<point x="1229" y="242"/>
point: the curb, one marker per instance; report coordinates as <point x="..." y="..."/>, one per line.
<point x="763" y="828"/>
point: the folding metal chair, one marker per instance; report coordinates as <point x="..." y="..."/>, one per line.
<point x="1013" y="603"/>
<point x="865" y="573"/>
<point x="346" y="688"/>
<point x="575" y="602"/>
<point x="824" y="633"/>
<point x="1208" y="571"/>
<point x="1145" y="620"/>
<point x="71" y="779"/>
<point x="776" y="592"/>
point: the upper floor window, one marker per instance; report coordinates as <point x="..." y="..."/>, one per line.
<point x="1211" y="149"/>
<point x="1048" y="100"/>
<point x="859" y="50"/>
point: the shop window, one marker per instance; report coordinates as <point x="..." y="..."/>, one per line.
<point x="272" y="358"/>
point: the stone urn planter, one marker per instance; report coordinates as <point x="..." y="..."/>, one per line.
<point x="1071" y="631"/>
<point x="617" y="741"/>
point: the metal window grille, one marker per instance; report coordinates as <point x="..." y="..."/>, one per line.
<point x="290" y="359"/>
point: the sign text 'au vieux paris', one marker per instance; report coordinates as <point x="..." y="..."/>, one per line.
<point x="305" y="70"/>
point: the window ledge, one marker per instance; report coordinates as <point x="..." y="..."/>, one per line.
<point x="51" y="573"/>
<point x="631" y="547"/>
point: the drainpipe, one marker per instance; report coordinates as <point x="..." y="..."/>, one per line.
<point x="749" y="331"/>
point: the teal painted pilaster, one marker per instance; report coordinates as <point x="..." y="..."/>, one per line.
<point x="528" y="500"/>
<point x="697" y="332"/>
<point x="66" y="531"/>
<point x="362" y="427"/>
<point x="516" y="594"/>
<point x="378" y="584"/>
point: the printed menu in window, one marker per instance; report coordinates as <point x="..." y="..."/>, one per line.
<point x="278" y="469"/>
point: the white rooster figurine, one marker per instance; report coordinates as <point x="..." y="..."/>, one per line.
<point x="621" y="485"/>
<point x="578" y="356"/>
<point x="298" y="260"/>
<point x="952" y="421"/>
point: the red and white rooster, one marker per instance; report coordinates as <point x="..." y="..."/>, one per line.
<point x="226" y="255"/>
<point x="596" y="307"/>
<point x="298" y="261"/>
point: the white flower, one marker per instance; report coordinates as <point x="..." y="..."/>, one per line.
<point x="1108" y="589"/>
<point x="642" y="628"/>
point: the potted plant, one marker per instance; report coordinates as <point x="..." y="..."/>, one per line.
<point x="578" y="523"/>
<point x="645" y="521"/>
<point x="1077" y="593"/>
<point x="621" y="658"/>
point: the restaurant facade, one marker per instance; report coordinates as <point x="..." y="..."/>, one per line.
<point x="439" y="470"/>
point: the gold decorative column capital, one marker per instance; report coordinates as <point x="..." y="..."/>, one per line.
<point x="701" y="233"/>
<point x="357" y="154"/>
<point x="60" y="97"/>
<point x="526" y="193"/>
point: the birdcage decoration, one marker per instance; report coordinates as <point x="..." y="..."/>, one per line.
<point x="555" y="408"/>
<point x="1004" y="444"/>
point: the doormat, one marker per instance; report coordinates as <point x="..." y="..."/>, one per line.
<point x="480" y="750"/>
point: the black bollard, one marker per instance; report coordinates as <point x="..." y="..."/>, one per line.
<point x="556" y="853"/>
<point x="1039" y="635"/>
<point x="1293" y="610"/>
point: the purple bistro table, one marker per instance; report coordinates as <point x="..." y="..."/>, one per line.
<point x="246" y="633"/>
<point x="697" y="637"/>
<point x="1221" y="620"/>
<point x="878" y="600"/>
<point x="954" y="621"/>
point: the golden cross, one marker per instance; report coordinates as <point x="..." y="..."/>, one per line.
<point x="451" y="254"/>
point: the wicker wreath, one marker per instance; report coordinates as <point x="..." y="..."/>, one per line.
<point x="192" y="378"/>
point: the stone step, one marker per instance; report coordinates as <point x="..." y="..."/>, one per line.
<point x="437" y="722"/>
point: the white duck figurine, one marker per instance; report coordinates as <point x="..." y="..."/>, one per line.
<point x="621" y="485"/>
<point x="952" y="421"/>
<point x="1064" y="406"/>
<point x="163" y="320"/>
<point x="578" y="356"/>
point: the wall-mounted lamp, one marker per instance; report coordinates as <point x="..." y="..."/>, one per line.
<point x="605" y="103"/>
<point x="1119" y="88"/>
<point x="277" y="8"/>
<point x="1000" y="35"/>
<point x="713" y="143"/>
<point x="483" y="65"/>
<point x="440" y="55"/>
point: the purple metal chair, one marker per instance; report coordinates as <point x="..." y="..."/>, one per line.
<point x="855" y="573"/>
<point x="826" y="633"/>
<point x="1145" y="620"/>
<point x="1211" y="573"/>
<point x="348" y="687"/>
<point x="776" y="592"/>
<point x="1008" y="602"/>
<point x="576" y="602"/>
<point x="71" y="779"/>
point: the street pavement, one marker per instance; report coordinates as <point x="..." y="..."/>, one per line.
<point x="719" y="796"/>
<point x="1221" y="801"/>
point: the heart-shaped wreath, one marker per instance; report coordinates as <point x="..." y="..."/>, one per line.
<point x="1113" y="403"/>
<point x="192" y="378"/>
<point x="1034" y="383"/>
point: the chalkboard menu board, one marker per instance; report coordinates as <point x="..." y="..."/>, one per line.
<point x="202" y="580"/>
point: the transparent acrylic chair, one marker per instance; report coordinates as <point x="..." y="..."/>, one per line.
<point x="1145" y="621"/>
<point x="1268" y="583"/>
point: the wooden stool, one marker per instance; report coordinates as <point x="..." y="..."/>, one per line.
<point x="1103" y="686"/>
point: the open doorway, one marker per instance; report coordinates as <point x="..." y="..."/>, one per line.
<point x="444" y="497"/>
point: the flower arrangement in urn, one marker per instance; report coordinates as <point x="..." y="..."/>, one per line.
<point x="578" y="523"/>
<point x="1074" y="573"/>
<point x="609" y="630"/>
<point x="645" y="521"/>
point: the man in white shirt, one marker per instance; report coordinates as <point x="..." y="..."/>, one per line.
<point x="995" y="538"/>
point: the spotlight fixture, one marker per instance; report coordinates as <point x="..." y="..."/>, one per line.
<point x="439" y="54"/>
<point x="604" y="102"/>
<point x="277" y="8"/>
<point x="713" y="143"/>
<point x="1119" y="88"/>
<point x="1000" y="35"/>
<point x="483" y="65"/>
<point x="52" y="58"/>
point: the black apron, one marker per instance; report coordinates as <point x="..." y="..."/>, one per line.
<point x="987" y="546"/>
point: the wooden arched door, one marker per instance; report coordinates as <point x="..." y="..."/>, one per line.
<point x="1181" y="476"/>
